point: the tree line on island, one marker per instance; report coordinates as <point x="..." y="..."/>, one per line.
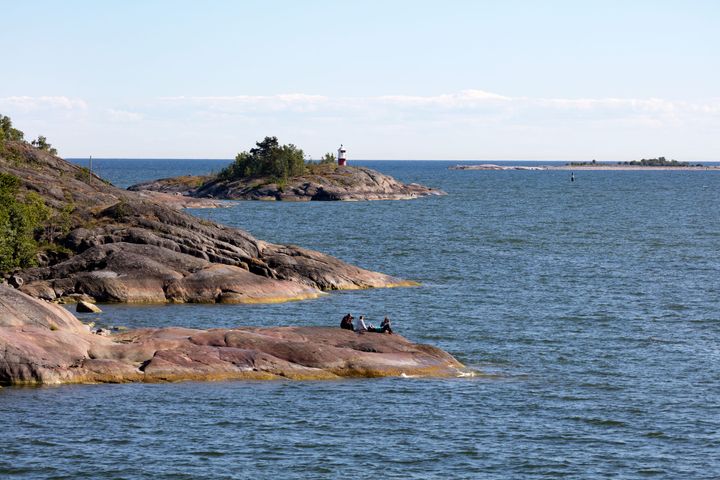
<point x="645" y="162"/>
<point x="270" y="159"/>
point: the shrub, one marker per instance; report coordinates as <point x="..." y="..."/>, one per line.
<point x="328" y="158"/>
<point x="42" y="144"/>
<point x="327" y="164"/>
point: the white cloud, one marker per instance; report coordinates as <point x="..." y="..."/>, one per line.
<point x="124" y="115"/>
<point x="462" y="99"/>
<point x="476" y="104"/>
<point x="26" y="103"/>
<point x="463" y="124"/>
<point x="288" y="101"/>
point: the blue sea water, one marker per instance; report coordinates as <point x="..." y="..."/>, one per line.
<point x="591" y="309"/>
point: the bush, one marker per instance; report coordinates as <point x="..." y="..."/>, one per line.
<point x="326" y="165"/>
<point x="19" y="221"/>
<point x="328" y="158"/>
<point x="269" y="158"/>
<point x="42" y="144"/>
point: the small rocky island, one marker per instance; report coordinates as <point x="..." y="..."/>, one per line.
<point x="271" y="171"/>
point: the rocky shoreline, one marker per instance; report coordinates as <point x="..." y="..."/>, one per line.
<point x="100" y="243"/>
<point x="120" y="246"/>
<point x="341" y="183"/>
<point x="42" y="343"/>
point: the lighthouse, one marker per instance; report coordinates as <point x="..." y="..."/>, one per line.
<point x="342" y="159"/>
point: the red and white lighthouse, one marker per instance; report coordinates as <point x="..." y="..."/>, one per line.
<point x="342" y="159"/>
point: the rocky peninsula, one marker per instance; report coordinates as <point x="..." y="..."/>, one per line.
<point x="42" y="343"/>
<point x="106" y="244"/>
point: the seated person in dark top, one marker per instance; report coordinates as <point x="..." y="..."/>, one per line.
<point x="347" y="322"/>
<point x="384" y="327"/>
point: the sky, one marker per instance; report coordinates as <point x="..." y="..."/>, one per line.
<point x="391" y="79"/>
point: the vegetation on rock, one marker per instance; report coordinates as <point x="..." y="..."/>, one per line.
<point x="42" y="143"/>
<point x="21" y="221"/>
<point x="7" y="132"/>
<point x="278" y="162"/>
<point x="645" y="162"/>
<point x="327" y="164"/>
<point x="28" y="226"/>
<point x="269" y="159"/>
<point x="659" y="162"/>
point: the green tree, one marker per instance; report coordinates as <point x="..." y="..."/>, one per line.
<point x="19" y="221"/>
<point x="7" y="132"/>
<point x="42" y="143"/>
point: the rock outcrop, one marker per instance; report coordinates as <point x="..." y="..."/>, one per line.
<point x="42" y="343"/>
<point x="347" y="183"/>
<point x="87" y="307"/>
<point x="112" y="245"/>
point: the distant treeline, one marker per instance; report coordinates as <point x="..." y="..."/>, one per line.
<point x="645" y="162"/>
<point x="660" y="162"/>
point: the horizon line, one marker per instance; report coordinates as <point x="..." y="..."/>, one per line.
<point x="379" y="159"/>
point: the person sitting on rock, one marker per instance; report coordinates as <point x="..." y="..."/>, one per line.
<point x="384" y="327"/>
<point x="360" y="325"/>
<point x="347" y="322"/>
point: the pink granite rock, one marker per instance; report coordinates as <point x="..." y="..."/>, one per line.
<point x="41" y="343"/>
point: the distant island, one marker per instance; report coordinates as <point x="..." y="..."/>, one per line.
<point x="271" y="171"/>
<point x="645" y="162"/>
<point x="659" y="163"/>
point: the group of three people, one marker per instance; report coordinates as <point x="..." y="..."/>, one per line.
<point x="359" y="326"/>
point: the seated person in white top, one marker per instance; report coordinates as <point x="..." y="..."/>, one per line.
<point x="360" y="325"/>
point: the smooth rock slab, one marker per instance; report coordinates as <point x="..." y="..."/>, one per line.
<point x="41" y="343"/>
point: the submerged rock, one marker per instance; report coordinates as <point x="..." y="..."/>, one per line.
<point x="41" y="343"/>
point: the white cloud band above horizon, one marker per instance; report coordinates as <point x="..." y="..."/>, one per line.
<point x="463" y="100"/>
<point x="468" y="124"/>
